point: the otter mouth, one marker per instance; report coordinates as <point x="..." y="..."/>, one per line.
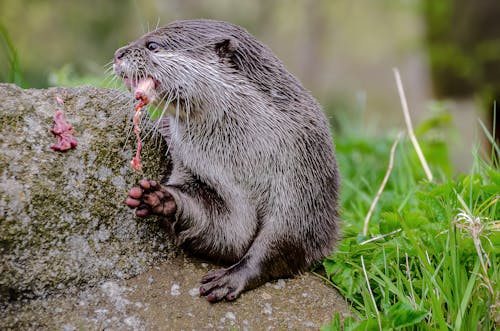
<point x="143" y="88"/>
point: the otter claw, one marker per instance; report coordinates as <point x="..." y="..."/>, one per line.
<point x="213" y="275"/>
<point x="222" y="284"/>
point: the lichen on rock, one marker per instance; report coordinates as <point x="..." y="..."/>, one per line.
<point x="62" y="217"/>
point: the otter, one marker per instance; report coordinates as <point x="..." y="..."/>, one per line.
<point x="254" y="183"/>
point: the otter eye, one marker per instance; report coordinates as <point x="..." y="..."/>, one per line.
<point x="152" y="46"/>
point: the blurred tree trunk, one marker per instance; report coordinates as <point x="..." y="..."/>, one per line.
<point x="464" y="49"/>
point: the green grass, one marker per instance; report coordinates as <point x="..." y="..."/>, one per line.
<point x="10" y="69"/>
<point x="431" y="258"/>
<point x="67" y="76"/>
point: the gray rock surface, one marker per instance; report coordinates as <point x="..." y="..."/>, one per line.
<point x="166" y="298"/>
<point x="62" y="217"/>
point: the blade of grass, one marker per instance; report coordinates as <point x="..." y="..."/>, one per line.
<point x="490" y="138"/>
<point x="408" y="274"/>
<point x="409" y="126"/>
<point x="371" y="294"/>
<point x="382" y="186"/>
<point x="10" y="52"/>
<point x="466" y="297"/>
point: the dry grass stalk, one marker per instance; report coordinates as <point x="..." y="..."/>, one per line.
<point x="409" y="126"/>
<point x="382" y="186"/>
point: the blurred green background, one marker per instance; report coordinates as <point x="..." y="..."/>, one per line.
<point x="343" y="51"/>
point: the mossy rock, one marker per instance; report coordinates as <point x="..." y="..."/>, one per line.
<point x="62" y="216"/>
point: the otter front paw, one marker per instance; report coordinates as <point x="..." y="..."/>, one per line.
<point x="223" y="284"/>
<point x="151" y="198"/>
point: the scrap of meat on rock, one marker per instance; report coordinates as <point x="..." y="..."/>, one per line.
<point x="63" y="131"/>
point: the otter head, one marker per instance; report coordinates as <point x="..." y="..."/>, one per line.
<point x="187" y="62"/>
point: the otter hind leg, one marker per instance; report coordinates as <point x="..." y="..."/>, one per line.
<point x="224" y="283"/>
<point x="266" y="259"/>
<point x="151" y="198"/>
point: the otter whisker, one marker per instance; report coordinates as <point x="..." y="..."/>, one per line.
<point x="177" y="111"/>
<point x="163" y="121"/>
<point x="187" y="110"/>
<point x="111" y="81"/>
<point x="153" y="128"/>
<point x="122" y="98"/>
<point x="157" y="23"/>
<point x="108" y="66"/>
<point x="129" y="130"/>
<point x="122" y="103"/>
<point x="109" y="73"/>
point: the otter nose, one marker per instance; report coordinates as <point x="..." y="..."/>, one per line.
<point x="119" y="54"/>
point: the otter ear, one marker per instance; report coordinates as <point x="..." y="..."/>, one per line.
<point x="226" y="47"/>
